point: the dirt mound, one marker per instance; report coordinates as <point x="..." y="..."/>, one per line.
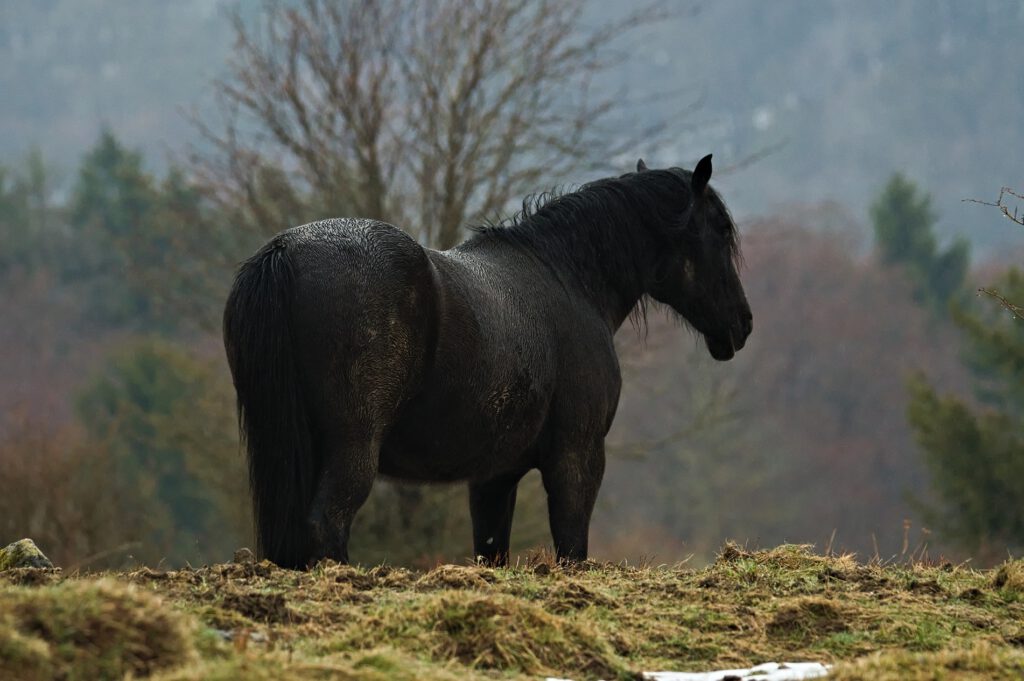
<point x="260" y="607"/>
<point x="806" y="619"/>
<point x="575" y="594"/>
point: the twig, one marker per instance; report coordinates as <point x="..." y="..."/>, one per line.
<point x="1016" y="310"/>
<point x="999" y="203"/>
<point x="1015" y="217"/>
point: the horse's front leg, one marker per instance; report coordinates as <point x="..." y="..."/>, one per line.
<point x="572" y="476"/>
<point x="491" y="505"/>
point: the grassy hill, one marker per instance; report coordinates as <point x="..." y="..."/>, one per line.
<point x="254" y="621"/>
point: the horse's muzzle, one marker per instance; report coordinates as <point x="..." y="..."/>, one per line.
<point x="724" y="349"/>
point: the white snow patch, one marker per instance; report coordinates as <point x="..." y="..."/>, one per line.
<point x="770" y="671"/>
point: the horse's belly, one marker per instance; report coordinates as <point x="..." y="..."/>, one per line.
<point x="431" y="443"/>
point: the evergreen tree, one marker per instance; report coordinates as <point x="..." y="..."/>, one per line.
<point x="904" y="225"/>
<point x="114" y="201"/>
<point x="975" y="454"/>
<point x="29" y="224"/>
<point x="186" y="259"/>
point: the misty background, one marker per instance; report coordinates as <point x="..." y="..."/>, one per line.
<point x="809" y="107"/>
<point x="843" y="93"/>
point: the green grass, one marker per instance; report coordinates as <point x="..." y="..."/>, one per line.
<point x="455" y="622"/>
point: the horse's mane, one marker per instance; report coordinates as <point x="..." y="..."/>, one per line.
<point x="614" y="221"/>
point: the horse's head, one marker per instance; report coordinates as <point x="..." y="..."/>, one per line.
<point x="696" y="274"/>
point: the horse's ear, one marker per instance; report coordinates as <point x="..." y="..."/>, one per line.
<point x="640" y="166"/>
<point x="701" y="175"/>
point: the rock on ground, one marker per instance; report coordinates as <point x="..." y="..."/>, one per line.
<point x="23" y="554"/>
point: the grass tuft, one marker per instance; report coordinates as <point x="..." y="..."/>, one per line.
<point x="504" y="633"/>
<point x="1009" y="579"/>
<point x="88" y="630"/>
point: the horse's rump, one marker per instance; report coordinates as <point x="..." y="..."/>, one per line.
<point x="335" y="319"/>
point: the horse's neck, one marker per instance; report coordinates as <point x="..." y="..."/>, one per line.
<point x="613" y="271"/>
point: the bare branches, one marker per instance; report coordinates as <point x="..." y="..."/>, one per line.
<point x="430" y="115"/>
<point x="1011" y="213"/>
<point x="1016" y="310"/>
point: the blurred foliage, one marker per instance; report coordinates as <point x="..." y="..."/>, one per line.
<point x="168" y="422"/>
<point x="975" y="450"/>
<point x="154" y="465"/>
<point x="56" y="490"/>
<point x="113" y="199"/>
<point x="995" y="348"/>
<point x="143" y="254"/>
<point x="29" y="222"/>
<point x="904" y="225"/>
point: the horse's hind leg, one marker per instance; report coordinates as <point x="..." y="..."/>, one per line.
<point x="491" y="505"/>
<point x="349" y="468"/>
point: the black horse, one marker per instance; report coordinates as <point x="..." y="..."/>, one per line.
<point x="357" y="352"/>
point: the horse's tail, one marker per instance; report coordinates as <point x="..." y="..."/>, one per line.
<point x="272" y="417"/>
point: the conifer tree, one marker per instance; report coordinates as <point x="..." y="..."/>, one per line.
<point x="904" y="226"/>
<point x="975" y="452"/>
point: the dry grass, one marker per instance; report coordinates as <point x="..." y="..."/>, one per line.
<point x="592" y="621"/>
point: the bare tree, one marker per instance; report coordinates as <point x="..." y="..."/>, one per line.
<point x="431" y="115"/>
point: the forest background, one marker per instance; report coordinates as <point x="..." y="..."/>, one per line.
<point x="147" y="150"/>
